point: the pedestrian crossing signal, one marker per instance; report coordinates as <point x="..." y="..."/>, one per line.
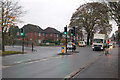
<point x="71" y="32"/>
<point x="65" y="33"/>
<point x="65" y="30"/>
<point x="22" y="32"/>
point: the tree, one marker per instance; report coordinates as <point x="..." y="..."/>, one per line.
<point x="116" y="35"/>
<point x="91" y="17"/>
<point x="11" y="12"/>
<point x="114" y="11"/>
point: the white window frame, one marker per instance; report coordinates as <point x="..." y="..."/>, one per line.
<point x="39" y="34"/>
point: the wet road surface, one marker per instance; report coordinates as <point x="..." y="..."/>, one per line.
<point x="50" y="67"/>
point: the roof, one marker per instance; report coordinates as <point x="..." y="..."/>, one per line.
<point x="51" y="30"/>
<point x="32" y="28"/>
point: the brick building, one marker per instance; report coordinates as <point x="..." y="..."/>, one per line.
<point x="52" y="34"/>
<point x="37" y="35"/>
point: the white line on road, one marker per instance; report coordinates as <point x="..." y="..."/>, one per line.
<point x="3" y="66"/>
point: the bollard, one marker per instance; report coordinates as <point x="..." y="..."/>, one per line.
<point x="62" y="49"/>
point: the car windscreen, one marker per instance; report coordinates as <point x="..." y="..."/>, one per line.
<point x="98" y="41"/>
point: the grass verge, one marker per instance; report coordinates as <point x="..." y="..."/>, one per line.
<point x="9" y="53"/>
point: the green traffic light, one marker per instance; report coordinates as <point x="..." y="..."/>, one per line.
<point x="65" y="33"/>
<point x="71" y="34"/>
<point x="21" y="34"/>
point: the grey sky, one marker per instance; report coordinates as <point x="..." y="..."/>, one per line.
<point x="49" y="13"/>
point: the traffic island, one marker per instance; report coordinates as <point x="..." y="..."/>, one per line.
<point x="68" y="53"/>
<point x="75" y="51"/>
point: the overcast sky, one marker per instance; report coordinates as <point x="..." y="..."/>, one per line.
<point x="49" y="13"/>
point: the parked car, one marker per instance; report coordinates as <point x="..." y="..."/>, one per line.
<point x="70" y="45"/>
<point x="82" y="44"/>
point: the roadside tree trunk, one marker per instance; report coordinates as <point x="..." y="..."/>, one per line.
<point x="3" y="44"/>
<point x="88" y="37"/>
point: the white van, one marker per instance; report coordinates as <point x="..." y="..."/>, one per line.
<point x="81" y="44"/>
<point x="99" y="42"/>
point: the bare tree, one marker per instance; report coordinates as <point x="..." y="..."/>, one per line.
<point x="91" y="17"/>
<point x="11" y="12"/>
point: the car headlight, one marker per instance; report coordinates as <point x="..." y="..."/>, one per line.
<point x="101" y="47"/>
<point x="110" y="46"/>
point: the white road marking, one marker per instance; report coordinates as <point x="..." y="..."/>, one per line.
<point x="4" y="66"/>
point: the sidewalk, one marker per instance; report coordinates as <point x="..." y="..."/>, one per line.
<point x="103" y="67"/>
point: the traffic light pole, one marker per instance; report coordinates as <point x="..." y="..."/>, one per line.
<point x="32" y="46"/>
<point x="66" y="43"/>
<point x="23" y="45"/>
<point x="72" y="44"/>
<point x="65" y="32"/>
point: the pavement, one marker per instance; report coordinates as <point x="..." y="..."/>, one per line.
<point x="40" y="53"/>
<point x="105" y="66"/>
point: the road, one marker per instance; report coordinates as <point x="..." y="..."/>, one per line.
<point x="32" y="65"/>
<point x="104" y="67"/>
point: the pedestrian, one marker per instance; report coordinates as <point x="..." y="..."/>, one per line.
<point x="107" y="49"/>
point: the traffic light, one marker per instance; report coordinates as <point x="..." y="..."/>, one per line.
<point x="73" y="31"/>
<point x="65" y="30"/>
<point x="22" y="31"/>
<point x="108" y="42"/>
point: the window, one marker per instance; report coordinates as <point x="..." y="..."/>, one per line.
<point x="39" y="41"/>
<point x="39" y="34"/>
<point x="98" y="40"/>
<point x="56" y="35"/>
<point x="17" y="33"/>
<point x="50" y="34"/>
<point x="43" y="34"/>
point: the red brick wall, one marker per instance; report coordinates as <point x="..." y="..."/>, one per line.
<point x="35" y="36"/>
<point x="52" y="37"/>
